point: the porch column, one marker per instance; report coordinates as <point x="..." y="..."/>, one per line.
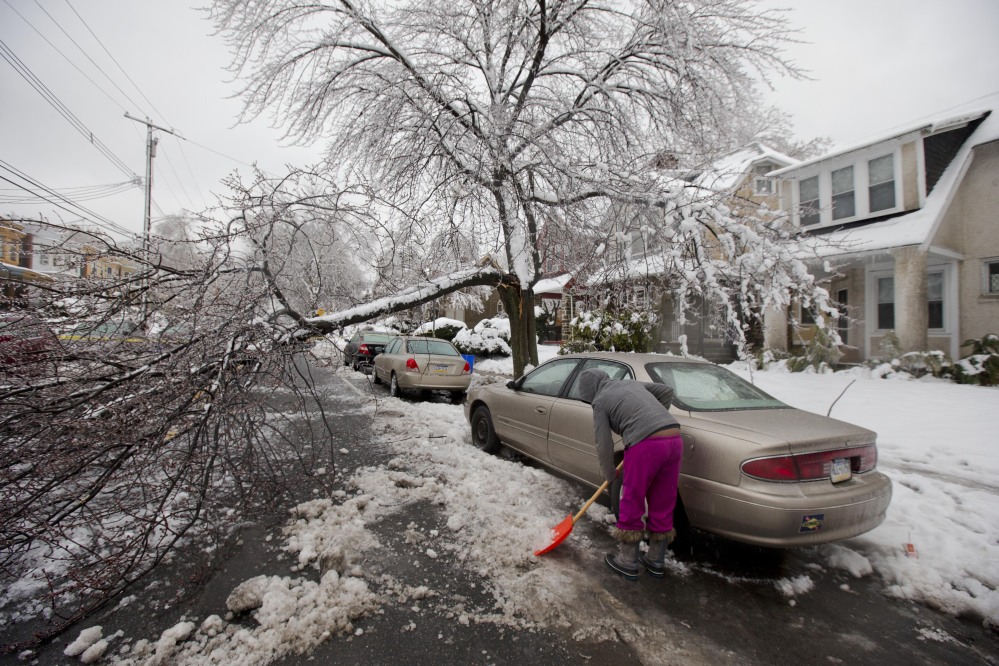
<point x="775" y="328"/>
<point x="911" y="313"/>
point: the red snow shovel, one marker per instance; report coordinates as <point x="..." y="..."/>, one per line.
<point x="563" y="529"/>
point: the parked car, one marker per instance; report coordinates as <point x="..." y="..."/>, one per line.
<point x="364" y="346"/>
<point x="754" y="469"/>
<point x="27" y="344"/>
<point x="425" y="364"/>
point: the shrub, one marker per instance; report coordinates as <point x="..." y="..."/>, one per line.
<point x="601" y="330"/>
<point x="490" y="337"/>
<point x="982" y="365"/>
<point x="820" y="353"/>
<point x="442" y="328"/>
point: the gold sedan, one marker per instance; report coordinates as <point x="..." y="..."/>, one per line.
<point x="422" y="364"/>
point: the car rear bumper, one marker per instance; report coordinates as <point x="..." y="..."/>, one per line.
<point x="434" y="382"/>
<point x="788" y="520"/>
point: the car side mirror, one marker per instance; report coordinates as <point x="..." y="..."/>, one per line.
<point x="512" y="385"/>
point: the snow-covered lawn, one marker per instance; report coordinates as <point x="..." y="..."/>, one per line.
<point x="936" y="442"/>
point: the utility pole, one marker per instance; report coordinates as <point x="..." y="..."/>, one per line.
<point x="147" y="214"/>
<point x="150" y="154"/>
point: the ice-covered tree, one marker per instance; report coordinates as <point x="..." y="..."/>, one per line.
<point x="505" y="115"/>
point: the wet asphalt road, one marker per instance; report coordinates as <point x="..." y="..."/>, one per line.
<point x="725" y="609"/>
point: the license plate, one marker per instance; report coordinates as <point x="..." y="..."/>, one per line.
<point x="840" y="470"/>
<point x="438" y="368"/>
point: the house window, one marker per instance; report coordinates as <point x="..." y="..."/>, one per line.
<point x="762" y="184"/>
<point x="881" y="176"/>
<point x="808" y="200"/>
<point x="807" y="316"/>
<point x="843" y="199"/>
<point x="991" y="272"/>
<point x="886" y="303"/>
<point x="43" y="258"/>
<point x="934" y="300"/>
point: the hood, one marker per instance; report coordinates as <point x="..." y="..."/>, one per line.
<point x="590" y="383"/>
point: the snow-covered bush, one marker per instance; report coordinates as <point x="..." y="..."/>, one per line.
<point x="490" y="337"/>
<point x="982" y="365"/>
<point x="624" y="330"/>
<point x="442" y="328"/>
<point x="820" y="353"/>
<point x="895" y="362"/>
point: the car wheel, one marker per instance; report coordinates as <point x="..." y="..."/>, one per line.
<point x="354" y="366"/>
<point x="483" y="433"/>
<point x="374" y="376"/>
<point x="394" y="389"/>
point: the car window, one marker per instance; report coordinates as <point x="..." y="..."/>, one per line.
<point x="704" y="388"/>
<point x="440" y="347"/>
<point x="393" y="346"/>
<point x="549" y="378"/>
<point x="613" y="369"/>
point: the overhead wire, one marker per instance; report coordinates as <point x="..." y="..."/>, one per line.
<point x="76" y="208"/>
<point x="25" y="72"/>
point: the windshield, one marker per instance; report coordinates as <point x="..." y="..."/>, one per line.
<point x="440" y="347"/>
<point x="708" y="388"/>
<point x="376" y="337"/>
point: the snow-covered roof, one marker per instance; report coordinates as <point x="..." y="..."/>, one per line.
<point x="552" y="285"/>
<point x="727" y="173"/>
<point x="920" y="226"/>
<point x="959" y="116"/>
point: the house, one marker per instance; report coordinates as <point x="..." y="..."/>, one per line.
<point x="635" y="276"/>
<point x="904" y="232"/>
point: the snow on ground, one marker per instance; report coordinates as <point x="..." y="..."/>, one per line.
<point x="935" y="443"/>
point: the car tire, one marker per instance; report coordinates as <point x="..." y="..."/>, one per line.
<point x="483" y="433"/>
<point x="374" y="376"/>
<point x="394" y="390"/>
<point x="354" y="366"/>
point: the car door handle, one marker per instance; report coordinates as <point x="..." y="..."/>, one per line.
<point x="541" y="410"/>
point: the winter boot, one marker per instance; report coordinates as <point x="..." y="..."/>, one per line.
<point x="625" y="562"/>
<point x="655" y="559"/>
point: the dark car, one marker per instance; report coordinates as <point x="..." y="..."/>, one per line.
<point x="27" y="344"/>
<point x="364" y="346"/>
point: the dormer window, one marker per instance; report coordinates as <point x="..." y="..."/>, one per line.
<point x="881" y="175"/>
<point x="808" y="198"/>
<point x="762" y="184"/>
<point x="844" y="203"/>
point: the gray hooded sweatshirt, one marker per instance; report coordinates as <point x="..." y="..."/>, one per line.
<point x="630" y="408"/>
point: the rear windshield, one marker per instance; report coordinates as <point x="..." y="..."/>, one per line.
<point x="440" y="347"/>
<point x="708" y="388"/>
<point x="376" y="337"/>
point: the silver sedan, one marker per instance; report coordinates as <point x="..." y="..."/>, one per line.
<point x="423" y="364"/>
<point x="754" y="469"/>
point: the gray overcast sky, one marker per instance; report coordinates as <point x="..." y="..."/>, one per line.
<point x="875" y="64"/>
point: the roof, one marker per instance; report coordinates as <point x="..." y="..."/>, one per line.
<point x="727" y="173"/>
<point x="552" y="285"/>
<point x="919" y="226"/>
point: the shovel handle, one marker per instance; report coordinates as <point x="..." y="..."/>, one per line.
<point x="593" y="499"/>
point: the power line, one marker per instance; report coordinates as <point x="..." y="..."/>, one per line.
<point x="7" y="54"/>
<point x="89" y="215"/>
<point x="85" y="54"/>
<point x="114" y="60"/>
<point x="81" y="193"/>
<point x="65" y="57"/>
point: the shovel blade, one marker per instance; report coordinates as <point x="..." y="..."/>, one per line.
<point x="559" y="533"/>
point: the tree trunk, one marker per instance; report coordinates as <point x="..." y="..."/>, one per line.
<point x="519" y="305"/>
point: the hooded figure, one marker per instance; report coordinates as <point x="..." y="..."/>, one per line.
<point x="639" y="413"/>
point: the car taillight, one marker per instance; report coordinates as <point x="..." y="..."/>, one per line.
<point x="468" y="368"/>
<point x="363" y="349"/>
<point x="810" y="466"/>
<point x="411" y="364"/>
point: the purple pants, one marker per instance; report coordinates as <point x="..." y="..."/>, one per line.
<point x="650" y="474"/>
